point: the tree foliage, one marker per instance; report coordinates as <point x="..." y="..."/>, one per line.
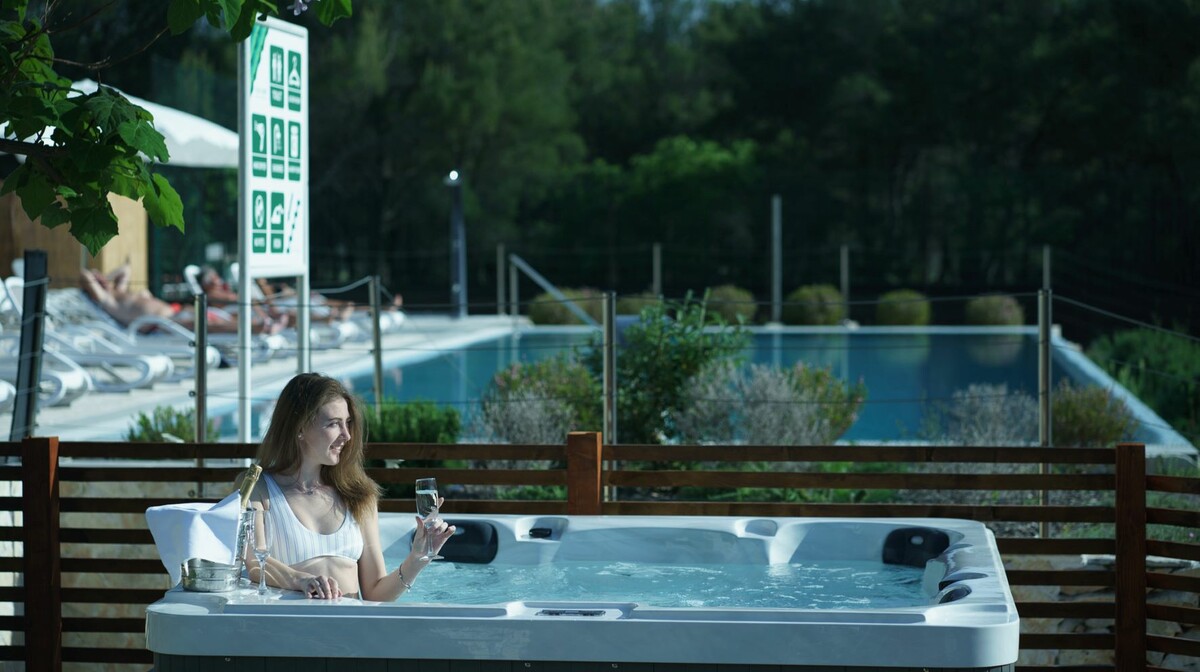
<point x="81" y="148"/>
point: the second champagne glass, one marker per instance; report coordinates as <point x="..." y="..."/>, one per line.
<point x="427" y="509"/>
<point x="262" y="550"/>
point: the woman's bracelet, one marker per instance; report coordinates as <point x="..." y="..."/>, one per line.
<point x="400" y="573"/>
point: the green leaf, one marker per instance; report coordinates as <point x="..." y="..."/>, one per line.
<point x="15" y="179"/>
<point x="93" y="226"/>
<point x="103" y="107"/>
<point x="90" y="157"/>
<point x="163" y="204"/>
<point x="142" y="136"/>
<point x="329" y="11"/>
<point x="182" y="15"/>
<point x="17" y="6"/>
<point x="249" y="16"/>
<point x="130" y="186"/>
<point x="232" y="10"/>
<point x="55" y="215"/>
<point x="36" y="194"/>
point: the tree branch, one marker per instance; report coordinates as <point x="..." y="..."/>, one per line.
<point x="31" y="149"/>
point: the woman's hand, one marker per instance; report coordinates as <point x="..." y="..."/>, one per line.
<point x="439" y="533"/>
<point x="321" y="588"/>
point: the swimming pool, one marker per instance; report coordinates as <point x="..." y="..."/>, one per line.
<point x="963" y="620"/>
<point x="906" y="370"/>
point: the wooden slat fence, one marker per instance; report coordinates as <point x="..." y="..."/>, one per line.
<point x="82" y="554"/>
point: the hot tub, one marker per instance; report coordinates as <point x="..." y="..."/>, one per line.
<point x="959" y="614"/>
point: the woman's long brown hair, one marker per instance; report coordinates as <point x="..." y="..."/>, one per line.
<point x="295" y="411"/>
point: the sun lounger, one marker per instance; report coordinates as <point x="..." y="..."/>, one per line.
<point x="62" y="380"/>
<point x="8" y="395"/>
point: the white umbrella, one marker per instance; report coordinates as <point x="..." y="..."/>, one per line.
<point x="193" y="142"/>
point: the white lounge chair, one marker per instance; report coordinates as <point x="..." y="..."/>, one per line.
<point x="114" y="368"/>
<point x="8" y="395"/>
<point x="62" y="380"/>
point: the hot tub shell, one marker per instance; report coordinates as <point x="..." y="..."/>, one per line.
<point x="969" y="623"/>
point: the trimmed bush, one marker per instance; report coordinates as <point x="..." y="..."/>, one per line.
<point x="814" y="304"/>
<point x="763" y="405"/>
<point x="167" y="424"/>
<point x="903" y="308"/>
<point x="634" y="304"/>
<point x="1088" y="416"/>
<point x="734" y="304"/>
<point x="1161" y="369"/>
<point x="985" y="415"/>
<point x="539" y="402"/>
<point x="670" y="343"/>
<point x="545" y="309"/>
<point x="994" y="310"/>
<point x="412" y="422"/>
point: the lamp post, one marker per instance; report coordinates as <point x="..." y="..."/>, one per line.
<point x="458" y="245"/>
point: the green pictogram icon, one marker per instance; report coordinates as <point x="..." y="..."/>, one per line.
<point x="278" y="148"/>
<point x="293" y="80"/>
<point x="278" y="139"/>
<point x="276" y="65"/>
<point x="278" y="211"/>
<point x="260" y="211"/>
<point x="258" y="157"/>
<point x="293" y="168"/>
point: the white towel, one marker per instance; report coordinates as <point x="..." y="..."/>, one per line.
<point x="194" y="530"/>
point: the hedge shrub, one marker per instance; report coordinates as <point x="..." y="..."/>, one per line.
<point x="814" y="305"/>
<point x="545" y="309"/>
<point x="1162" y="369"/>
<point x="167" y="424"/>
<point x="734" y="304"/>
<point x="994" y="309"/>
<point x="903" y="307"/>
<point x="1088" y="416"/>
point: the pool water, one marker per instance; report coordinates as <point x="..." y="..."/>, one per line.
<point x="904" y="373"/>
<point x="835" y="584"/>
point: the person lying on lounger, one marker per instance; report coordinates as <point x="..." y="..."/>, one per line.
<point x="113" y="294"/>
<point x="277" y="302"/>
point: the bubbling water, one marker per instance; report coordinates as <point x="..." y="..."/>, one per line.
<point x="803" y="585"/>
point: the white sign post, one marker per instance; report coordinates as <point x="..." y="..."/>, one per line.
<point x="272" y="180"/>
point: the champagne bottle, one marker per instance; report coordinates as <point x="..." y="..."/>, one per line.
<point x="251" y="479"/>
<point x="245" y="515"/>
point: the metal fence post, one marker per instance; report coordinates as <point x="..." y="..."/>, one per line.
<point x="776" y="258"/>
<point x="43" y="559"/>
<point x="656" y="269"/>
<point x="29" y="364"/>
<point x="1130" y="624"/>
<point x="1045" y="434"/>
<point x="610" y="375"/>
<point x="514" y="299"/>
<point x="377" y="342"/>
<point x="500" y="276"/>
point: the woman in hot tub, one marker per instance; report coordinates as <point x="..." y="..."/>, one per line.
<point x="321" y="507"/>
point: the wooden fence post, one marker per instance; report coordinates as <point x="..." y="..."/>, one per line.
<point x="43" y="561"/>
<point x="583" y="473"/>
<point x="1130" y="627"/>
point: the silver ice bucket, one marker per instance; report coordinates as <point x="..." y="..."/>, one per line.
<point x="206" y="576"/>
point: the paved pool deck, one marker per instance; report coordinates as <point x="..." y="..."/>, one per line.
<point x="99" y="416"/>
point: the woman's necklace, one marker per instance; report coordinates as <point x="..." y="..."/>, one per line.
<point x="313" y="489"/>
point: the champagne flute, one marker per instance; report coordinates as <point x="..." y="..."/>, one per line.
<point x="427" y="509"/>
<point x="262" y="550"/>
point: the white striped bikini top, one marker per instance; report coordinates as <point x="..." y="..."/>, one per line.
<point x="293" y="543"/>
